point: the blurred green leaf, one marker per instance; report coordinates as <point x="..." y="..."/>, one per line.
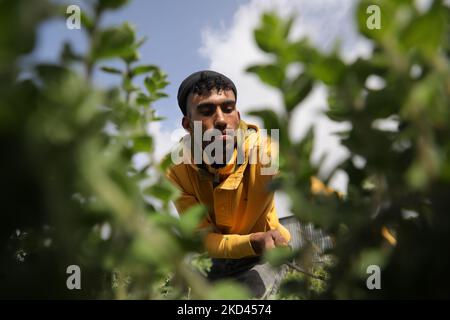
<point x="367" y="258"/>
<point x="296" y="91"/>
<point x="68" y="55"/>
<point x="327" y="69"/>
<point x="159" y="95"/>
<point x="132" y="56"/>
<point x="278" y="255"/>
<point x="111" y="70"/>
<point x="272" y="33"/>
<point x="143" y="69"/>
<point x="111" y="4"/>
<point x="150" y="84"/>
<point x="114" y="42"/>
<point x="270" y="74"/>
<point x="128" y="85"/>
<point x="427" y="31"/>
<point x="86" y="21"/>
<point x="164" y="191"/>
<point x="166" y="162"/>
<point x="228" y="290"/>
<point x="143" y="144"/>
<point x="143" y="99"/>
<point x="269" y="117"/>
<point x="190" y="220"/>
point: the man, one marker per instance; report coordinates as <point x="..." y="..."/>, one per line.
<point x="223" y="174"/>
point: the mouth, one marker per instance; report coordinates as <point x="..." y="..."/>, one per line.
<point x="224" y="137"/>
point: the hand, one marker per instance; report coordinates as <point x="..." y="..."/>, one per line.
<point x="262" y="241"/>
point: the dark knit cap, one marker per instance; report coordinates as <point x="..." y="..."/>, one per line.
<point x="188" y="85"/>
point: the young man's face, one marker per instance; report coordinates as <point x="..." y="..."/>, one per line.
<point x="216" y="110"/>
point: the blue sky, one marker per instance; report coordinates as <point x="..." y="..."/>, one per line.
<point x="187" y="36"/>
<point x="174" y="35"/>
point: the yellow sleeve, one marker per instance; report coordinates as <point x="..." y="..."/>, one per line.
<point x="232" y="246"/>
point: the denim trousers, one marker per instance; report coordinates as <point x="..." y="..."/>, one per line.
<point x="258" y="276"/>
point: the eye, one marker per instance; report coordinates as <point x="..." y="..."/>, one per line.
<point x="228" y="108"/>
<point x="207" y="112"/>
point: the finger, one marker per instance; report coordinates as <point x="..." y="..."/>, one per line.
<point x="278" y="238"/>
<point x="281" y="243"/>
<point x="269" y="243"/>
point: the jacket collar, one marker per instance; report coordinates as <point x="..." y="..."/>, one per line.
<point x="234" y="179"/>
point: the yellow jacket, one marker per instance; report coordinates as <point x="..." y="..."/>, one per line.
<point x="239" y="206"/>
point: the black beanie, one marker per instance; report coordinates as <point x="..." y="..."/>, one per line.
<point x="188" y="84"/>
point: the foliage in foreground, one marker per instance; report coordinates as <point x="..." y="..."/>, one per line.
<point x="70" y="192"/>
<point x="396" y="213"/>
<point x="71" y="196"/>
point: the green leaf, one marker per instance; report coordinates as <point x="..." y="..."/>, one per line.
<point x="143" y="99"/>
<point x="164" y="219"/>
<point x="143" y="144"/>
<point x="164" y="191"/>
<point x="427" y="31"/>
<point x="327" y="69"/>
<point x="52" y="74"/>
<point x="296" y="91"/>
<point x="156" y="248"/>
<point x="279" y="255"/>
<point x="166" y="162"/>
<point x="229" y="290"/>
<point x="68" y="55"/>
<point x="131" y="57"/>
<point x="86" y="21"/>
<point x="272" y="34"/>
<point x="159" y="95"/>
<point x="389" y="20"/>
<point x="128" y="86"/>
<point x="111" y="4"/>
<point x="191" y="219"/>
<point x="150" y="85"/>
<point x="132" y="116"/>
<point x="271" y="74"/>
<point x="269" y="117"/>
<point x="370" y="256"/>
<point x="111" y="70"/>
<point x="306" y="145"/>
<point x="416" y="176"/>
<point x="114" y="42"/>
<point x="143" y="69"/>
<point x="303" y="51"/>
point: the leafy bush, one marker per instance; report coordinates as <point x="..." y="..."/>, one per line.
<point x="70" y="194"/>
<point x="396" y="211"/>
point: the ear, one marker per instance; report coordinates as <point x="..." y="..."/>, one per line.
<point x="186" y="123"/>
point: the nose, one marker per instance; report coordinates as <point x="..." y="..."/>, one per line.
<point x="219" y="121"/>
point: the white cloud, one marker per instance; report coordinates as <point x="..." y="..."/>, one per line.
<point x="231" y="50"/>
<point x="163" y="140"/>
